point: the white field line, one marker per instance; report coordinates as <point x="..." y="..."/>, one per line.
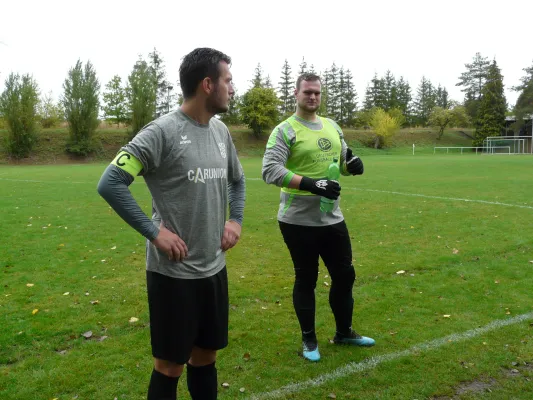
<point x="496" y="203"/>
<point x="373" y="362"/>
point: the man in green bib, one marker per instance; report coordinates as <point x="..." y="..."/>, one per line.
<point x="298" y="154"/>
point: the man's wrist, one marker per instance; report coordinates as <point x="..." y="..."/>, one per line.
<point x="307" y="184"/>
<point x="153" y="234"/>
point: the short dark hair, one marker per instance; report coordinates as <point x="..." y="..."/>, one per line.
<point x="308" y="77"/>
<point x="198" y="65"/>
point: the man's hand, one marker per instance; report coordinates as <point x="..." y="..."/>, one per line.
<point x="232" y="233"/>
<point x="322" y="187"/>
<point x="171" y="244"/>
<point x="354" y="165"/>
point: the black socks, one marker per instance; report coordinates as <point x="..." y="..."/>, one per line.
<point x="162" y="387"/>
<point x="202" y="382"/>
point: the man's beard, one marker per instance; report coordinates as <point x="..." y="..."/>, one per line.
<point x="213" y="105"/>
<point x="309" y="108"/>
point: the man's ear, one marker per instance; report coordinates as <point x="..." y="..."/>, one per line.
<point x="208" y="85"/>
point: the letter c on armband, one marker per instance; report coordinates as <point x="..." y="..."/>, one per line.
<point x="128" y="163"/>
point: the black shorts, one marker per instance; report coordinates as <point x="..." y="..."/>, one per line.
<point x="187" y="312"/>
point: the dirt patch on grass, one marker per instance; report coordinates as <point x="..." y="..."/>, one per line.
<point x="486" y="384"/>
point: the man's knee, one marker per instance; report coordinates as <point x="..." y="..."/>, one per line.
<point x="344" y="277"/>
<point x="168" y="368"/>
<point x="201" y="357"/>
<point x="306" y="279"/>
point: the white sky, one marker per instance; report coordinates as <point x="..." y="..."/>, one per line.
<point x="411" y="38"/>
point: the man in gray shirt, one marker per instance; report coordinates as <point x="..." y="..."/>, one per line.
<point x="191" y="168"/>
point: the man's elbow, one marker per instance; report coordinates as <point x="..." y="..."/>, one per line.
<point x="103" y="188"/>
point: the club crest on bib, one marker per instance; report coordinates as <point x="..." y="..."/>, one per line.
<point x="324" y="144"/>
<point x="222" y="148"/>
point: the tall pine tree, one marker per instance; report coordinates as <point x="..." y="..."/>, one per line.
<point x="286" y="90"/>
<point x="348" y="99"/>
<point x="525" y="80"/>
<point x="442" y="99"/>
<point x="424" y="102"/>
<point x="303" y="67"/>
<point x="257" y="81"/>
<point x="403" y="97"/>
<point x="375" y="95"/>
<point x="523" y="110"/>
<point x="161" y="84"/>
<point x="472" y="81"/>
<point x="332" y="105"/>
<point x="490" y="119"/>
<point x="389" y="91"/>
<point x="324" y="97"/>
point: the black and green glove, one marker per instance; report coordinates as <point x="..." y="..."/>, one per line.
<point x="322" y="187"/>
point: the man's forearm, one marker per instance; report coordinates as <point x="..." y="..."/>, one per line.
<point x="113" y="187"/>
<point x="236" y="197"/>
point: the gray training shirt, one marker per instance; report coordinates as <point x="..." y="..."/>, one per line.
<point x="187" y="167"/>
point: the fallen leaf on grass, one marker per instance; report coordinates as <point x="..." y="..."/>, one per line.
<point x="29" y="284"/>
<point x="113" y="248"/>
<point x="87" y="335"/>
<point x="496" y="281"/>
<point x="246" y="357"/>
<point x="225" y="385"/>
<point x="66" y="293"/>
<point x="101" y="339"/>
<point x="35" y="311"/>
<point x="400" y="272"/>
<point x="133" y="319"/>
<point x="242" y="390"/>
<point x="455" y="251"/>
<point x="332" y="396"/>
<point x="446" y="316"/>
<point x="326" y="284"/>
<point x="95" y="302"/>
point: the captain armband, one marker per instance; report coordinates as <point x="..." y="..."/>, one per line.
<point x="128" y="162"/>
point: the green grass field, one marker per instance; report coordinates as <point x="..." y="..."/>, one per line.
<point x="459" y="226"/>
